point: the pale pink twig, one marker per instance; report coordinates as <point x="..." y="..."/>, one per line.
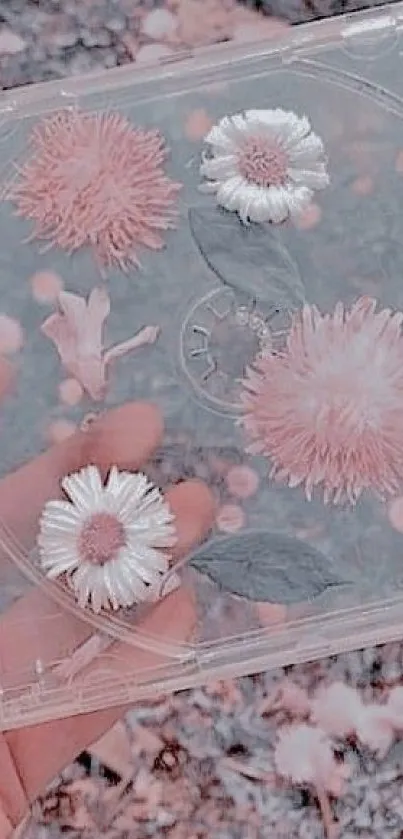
<point x="330" y="826"/>
<point x="82" y="657"/>
<point x="147" y="335"/>
<point x="249" y="771"/>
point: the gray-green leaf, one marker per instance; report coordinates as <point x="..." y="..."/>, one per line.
<point x="266" y="566"/>
<point x="249" y="258"/>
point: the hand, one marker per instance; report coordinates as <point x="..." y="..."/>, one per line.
<point x="126" y="437"/>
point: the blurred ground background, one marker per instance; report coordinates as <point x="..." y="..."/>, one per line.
<point x="47" y="39"/>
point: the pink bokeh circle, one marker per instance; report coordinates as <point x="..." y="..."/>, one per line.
<point x="70" y="392"/>
<point x="230" y="518"/>
<point x="60" y="430"/>
<point x="46" y="286"/>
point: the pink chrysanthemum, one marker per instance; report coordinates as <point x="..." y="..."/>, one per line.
<point x="328" y="410"/>
<point x="95" y="180"/>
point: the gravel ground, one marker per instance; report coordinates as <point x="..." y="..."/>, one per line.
<point x="48" y="39"/>
<point x="202" y="763"/>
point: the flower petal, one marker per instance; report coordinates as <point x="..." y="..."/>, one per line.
<point x="298" y="129"/>
<point x="314" y="179"/>
<point x="220" y="167"/>
<point x="229" y="193"/>
<point x="84" y="488"/>
<point x="297" y="199"/>
<point x="145" y="560"/>
<point x="307" y="150"/>
<point x="266" y="205"/>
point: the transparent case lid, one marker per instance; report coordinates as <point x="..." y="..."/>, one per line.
<point x="202" y="414"/>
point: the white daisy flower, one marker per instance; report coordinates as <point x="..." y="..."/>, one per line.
<point x="264" y="164"/>
<point x="109" y="540"/>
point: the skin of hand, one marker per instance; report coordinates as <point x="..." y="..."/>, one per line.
<point x="125" y="437"/>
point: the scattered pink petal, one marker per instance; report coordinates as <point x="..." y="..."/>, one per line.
<point x="96" y="180"/>
<point x="230" y="518"/>
<point x="46" y="286"/>
<point x="375" y="729"/>
<point x="337" y="709"/>
<point x="60" y="430"/>
<point x="399" y="162"/>
<point x="242" y="481"/>
<point x="70" y="392"/>
<point x="77" y="332"/>
<point x="327" y="410"/>
<point x="11" y="335"/>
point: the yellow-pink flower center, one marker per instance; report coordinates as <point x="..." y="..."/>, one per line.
<point x="262" y="161"/>
<point x="101" y="538"/>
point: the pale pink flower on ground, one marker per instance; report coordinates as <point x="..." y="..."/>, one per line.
<point x="328" y="409"/>
<point x="77" y="332"/>
<point x="96" y="180"/>
<point x="304" y="755"/>
<point x="375" y="729"/>
<point x="337" y="709"/>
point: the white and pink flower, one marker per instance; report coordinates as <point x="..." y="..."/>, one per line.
<point x="264" y="164"/>
<point x="111" y="541"/>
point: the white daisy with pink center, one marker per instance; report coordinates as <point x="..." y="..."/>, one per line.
<point x="111" y="541"/>
<point x="264" y="164"/>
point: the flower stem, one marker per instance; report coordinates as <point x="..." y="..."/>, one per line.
<point x="147" y="335"/>
<point x="82" y="656"/>
<point x="331" y="829"/>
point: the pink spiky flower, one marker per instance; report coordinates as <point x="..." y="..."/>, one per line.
<point x="328" y="410"/>
<point x="94" y="179"/>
